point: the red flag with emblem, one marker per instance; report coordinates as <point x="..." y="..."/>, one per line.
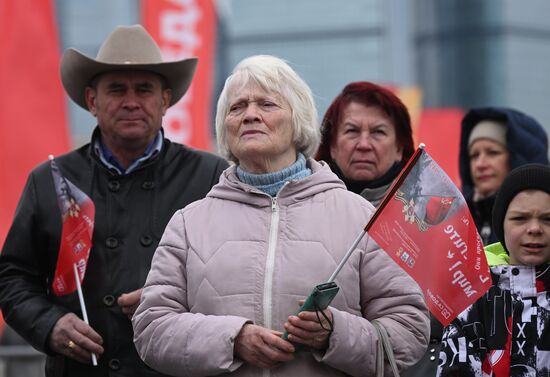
<point x="425" y="226"/>
<point x="77" y="213"/>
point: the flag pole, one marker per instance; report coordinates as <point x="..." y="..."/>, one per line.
<point x="347" y="255"/>
<point x="385" y="201"/>
<point x="83" y="306"/>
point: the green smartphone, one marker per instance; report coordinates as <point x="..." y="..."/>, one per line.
<point x="319" y="299"/>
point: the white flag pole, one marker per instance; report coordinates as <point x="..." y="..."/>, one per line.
<point x="346" y="257"/>
<point x="82" y="305"/>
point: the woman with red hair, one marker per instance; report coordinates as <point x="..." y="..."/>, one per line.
<point x="366" y="138"/>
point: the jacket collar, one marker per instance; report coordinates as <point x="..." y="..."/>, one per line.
<point x="496" y="254"/>
<point x="321" y="179"/>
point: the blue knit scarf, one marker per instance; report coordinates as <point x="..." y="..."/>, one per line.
<point x="271" y="183"/>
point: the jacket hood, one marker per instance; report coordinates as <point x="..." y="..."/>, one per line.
<point x="321" y="179"/>
<point x="526" y="140"/>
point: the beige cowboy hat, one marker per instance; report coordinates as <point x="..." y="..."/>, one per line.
<point x="127" y="48"/>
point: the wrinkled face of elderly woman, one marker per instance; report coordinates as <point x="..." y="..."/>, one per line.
<point x="365" y="147"/>
<point x="259" y="129"/>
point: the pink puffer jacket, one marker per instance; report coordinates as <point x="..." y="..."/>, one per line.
<point x="241" y="256"/>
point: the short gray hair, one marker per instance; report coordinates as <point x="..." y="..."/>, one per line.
<point x="273" y="75"/>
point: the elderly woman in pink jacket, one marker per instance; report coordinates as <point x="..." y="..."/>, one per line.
<point x="231" y="269"/>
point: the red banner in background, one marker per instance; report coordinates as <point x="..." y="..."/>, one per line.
<point x="425" y="226"/>
<point x="182" y="29"/>
<point x="440" y="129"/>
<point x="437" y="127"/>
<point x="32" y="104"/>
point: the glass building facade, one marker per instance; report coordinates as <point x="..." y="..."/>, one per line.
<point x="459" y="53"/>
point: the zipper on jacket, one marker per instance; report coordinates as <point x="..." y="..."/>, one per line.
<point x="269" y="264"/>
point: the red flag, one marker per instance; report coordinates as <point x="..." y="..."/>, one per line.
<point x="77" y="212"/>
<point x="184" y="29"/>
<point x="425" y="226"/>
<point x="32" y="105"/>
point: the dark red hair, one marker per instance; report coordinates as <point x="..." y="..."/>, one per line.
<point x="368" y="94"/>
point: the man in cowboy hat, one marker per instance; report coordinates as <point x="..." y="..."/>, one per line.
<point x="136" y="179"/>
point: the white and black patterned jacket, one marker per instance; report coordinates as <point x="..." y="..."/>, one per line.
<point x="506" y="332"/>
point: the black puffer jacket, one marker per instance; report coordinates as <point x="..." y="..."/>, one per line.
<point x="131" y="213"/>
<point x="526" y="142"/>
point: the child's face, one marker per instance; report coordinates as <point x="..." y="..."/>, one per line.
<point x="527" y="228"/>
